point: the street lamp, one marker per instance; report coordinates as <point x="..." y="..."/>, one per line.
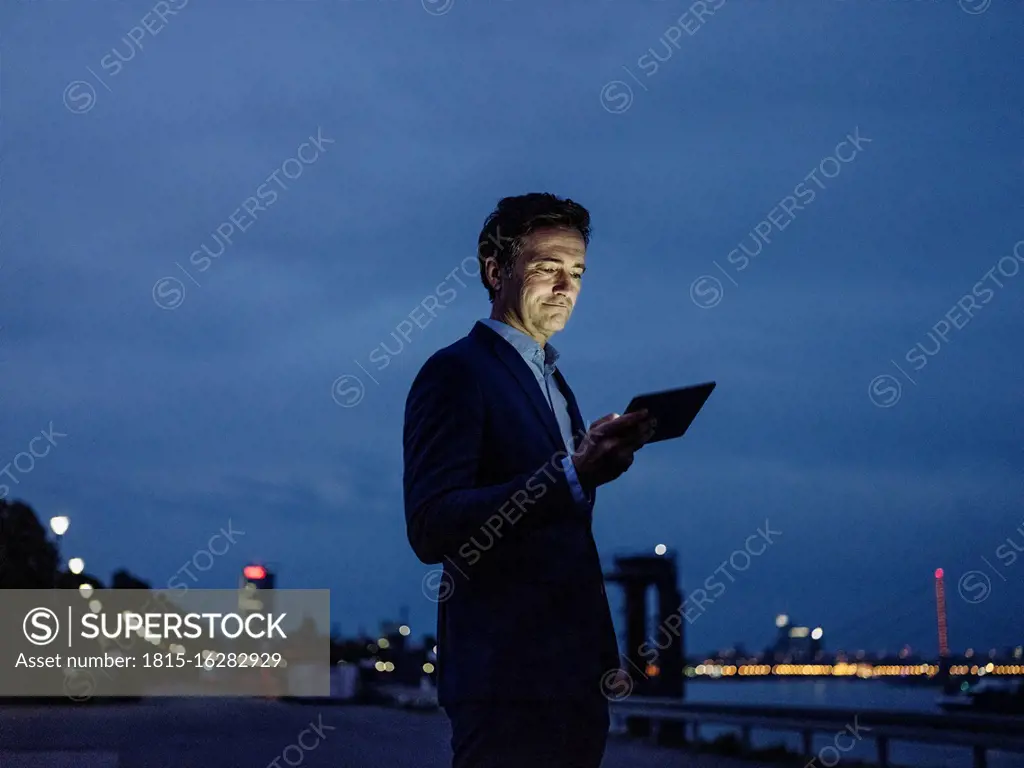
<point x="59" y="525"/>
<point x="76" y="565"/>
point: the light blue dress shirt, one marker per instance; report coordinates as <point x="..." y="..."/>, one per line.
<point x="542" y="363"/>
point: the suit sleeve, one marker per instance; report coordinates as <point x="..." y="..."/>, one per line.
<point x="579" y="493"/>
<point x="443" y="453"/>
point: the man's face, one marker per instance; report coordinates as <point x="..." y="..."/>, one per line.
<point x="545" y="281"/>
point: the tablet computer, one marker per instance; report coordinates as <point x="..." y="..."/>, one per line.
<point x="675" y="409"/>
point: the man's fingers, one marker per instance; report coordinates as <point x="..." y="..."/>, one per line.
<point x="637" y="435"/>
<point x="635" y="443"/>
<point x="627" y="460"/>
<point x="623" y="424"/>
<point x="604" y="420"/>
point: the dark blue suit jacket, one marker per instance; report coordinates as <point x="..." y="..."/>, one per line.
<point x="522" y="610"/>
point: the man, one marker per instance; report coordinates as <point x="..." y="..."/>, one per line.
<point x="500" y="483"/>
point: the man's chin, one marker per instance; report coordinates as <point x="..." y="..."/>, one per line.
<point x="556" y="323"/>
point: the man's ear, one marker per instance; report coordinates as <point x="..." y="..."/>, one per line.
<point x="493" y="273"/>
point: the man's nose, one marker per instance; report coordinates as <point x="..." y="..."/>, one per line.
<point x="566" y="295"/>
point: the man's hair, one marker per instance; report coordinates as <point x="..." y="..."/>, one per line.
<point x="515" y="218"/>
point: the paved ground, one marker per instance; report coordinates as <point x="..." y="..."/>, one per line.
<point x="219" y="733"/>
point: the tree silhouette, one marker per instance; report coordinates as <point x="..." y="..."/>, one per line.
<point x="28" y="559"/>
<point x="122" y="579"/>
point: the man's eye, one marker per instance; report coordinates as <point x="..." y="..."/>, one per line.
<point x="578" y="276"/>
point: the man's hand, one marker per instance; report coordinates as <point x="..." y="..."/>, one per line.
<point x="608" y="447"/>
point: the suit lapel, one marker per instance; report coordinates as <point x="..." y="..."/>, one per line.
<point x="578" y="427"/>
<point x="521" y="372"/>
<point x="575" y="418"/>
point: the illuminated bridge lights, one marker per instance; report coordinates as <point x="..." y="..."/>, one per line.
<point x="711" y="669"/>
<point x="754" y="670"/>
<point x="1008" y="669"/>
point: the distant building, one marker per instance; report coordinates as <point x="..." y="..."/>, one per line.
<point x="795" y="643"/>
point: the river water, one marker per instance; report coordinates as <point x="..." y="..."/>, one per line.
<point x="845" y="694"/>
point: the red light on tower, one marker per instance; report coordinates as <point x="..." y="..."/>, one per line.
<point x="256" y="588"/>
<point x="940" y="611"/>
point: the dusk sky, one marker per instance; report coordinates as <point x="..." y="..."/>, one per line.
<point x="865" y="409"/>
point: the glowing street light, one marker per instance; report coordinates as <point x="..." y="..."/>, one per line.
<point x="76" y="565"/>
<point x="59" y="525"/>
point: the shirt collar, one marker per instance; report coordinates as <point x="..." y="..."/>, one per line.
<point x="525" y="345"/>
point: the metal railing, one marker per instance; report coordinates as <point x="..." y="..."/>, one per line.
<point x="978" y="733"/>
